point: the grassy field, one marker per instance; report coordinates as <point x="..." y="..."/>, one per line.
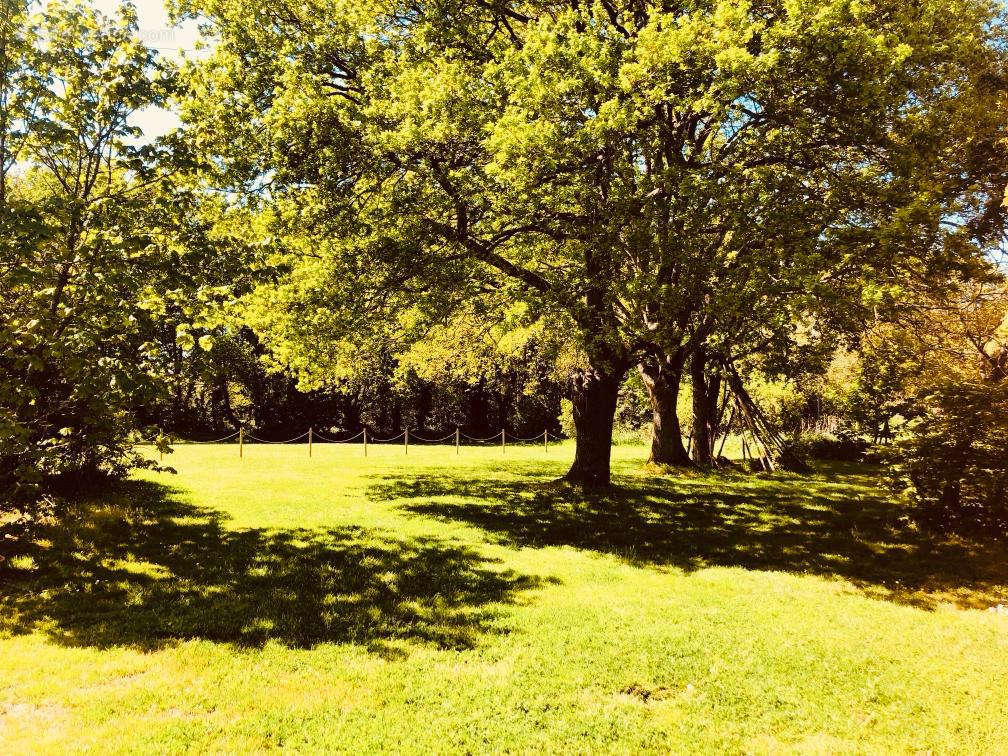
<point x="435" y="602"/>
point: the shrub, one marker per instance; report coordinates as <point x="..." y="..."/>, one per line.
<point x="954" y="465"/>
<point x="842" y="448"/>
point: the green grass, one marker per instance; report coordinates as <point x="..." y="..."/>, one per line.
<point x="465" y="603"/>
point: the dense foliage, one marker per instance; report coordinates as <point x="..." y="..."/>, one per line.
<point x="956" y="459"/>
<point x="77" y="210"/>
<point x="658" y="184"/>
<point x="107" y="252"/>
<point x="213" y="392"/>
<point x="952" y="454"/>
<point x="773" y="220"/>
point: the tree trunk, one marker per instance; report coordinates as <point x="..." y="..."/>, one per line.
<point x="594" y="392"/>
<point x="705" y="398"/>
<point x="662" y="377"/>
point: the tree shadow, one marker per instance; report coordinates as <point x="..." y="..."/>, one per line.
<point x="839" y="522"/>
<point x="143" y="568"/>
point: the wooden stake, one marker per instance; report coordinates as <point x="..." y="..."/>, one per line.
<point x="456" y="439"/>
<point x="406" y="439"/>
<point x="724" y="438"/>
<point x="309" y="442"/>
<point x="241" y="443"/>
<point x="365" y="442"/>
<point x="546" y="440"/>
<point x="502" y="440"/>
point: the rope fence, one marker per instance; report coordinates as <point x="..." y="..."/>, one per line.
<point x="215" y="440"/>
<point x="311" y="437"/>
<point x="326" y="440"/>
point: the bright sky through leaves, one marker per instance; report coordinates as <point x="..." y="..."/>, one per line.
<point x="156" y="30"/>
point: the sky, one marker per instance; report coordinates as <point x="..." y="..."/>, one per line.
<point x="156" y="30"/>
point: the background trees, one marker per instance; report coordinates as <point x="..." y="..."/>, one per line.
<point x="953" y="453"/>
<point x="213" y="392"/>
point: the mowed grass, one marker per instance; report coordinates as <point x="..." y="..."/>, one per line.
<point x="443" y="602"/>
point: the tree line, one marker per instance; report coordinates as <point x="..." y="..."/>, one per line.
<point x="711" y="203"/>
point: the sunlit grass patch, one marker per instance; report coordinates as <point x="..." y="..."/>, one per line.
<point x="470" y="603"/>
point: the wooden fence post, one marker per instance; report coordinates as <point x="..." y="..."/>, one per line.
<point x="365" y="441"/>
<point x="241" y="443"/>
<point x="456" y="439"/>
<point x="406" y="439"/>
<point x="502" y="440"/>
<point x="546" y="440"/>
<point x="309" y="442"/>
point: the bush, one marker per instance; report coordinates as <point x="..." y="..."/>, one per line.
<point x="843" y="448"/>
<point x="955" y="463"/>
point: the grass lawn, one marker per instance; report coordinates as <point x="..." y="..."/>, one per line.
<point x="435" y="602"/>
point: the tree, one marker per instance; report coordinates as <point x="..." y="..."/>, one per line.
<point x="640" y="176"/>
<point x="21" y="88"/>
<point x="954" y="458"/>
<point x="69" y="355"/>
<point x="917" y="210"/>
<point x="96" y="245"/>
<point x="662" y="378"/>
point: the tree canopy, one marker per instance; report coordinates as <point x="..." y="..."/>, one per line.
<point x="656" y="181"/>
<point x="100" y="244"/>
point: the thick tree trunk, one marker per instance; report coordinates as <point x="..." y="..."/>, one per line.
<point x="705" y="399"/>
<point x="594" y="392"/>
<point x="662" y="378"/>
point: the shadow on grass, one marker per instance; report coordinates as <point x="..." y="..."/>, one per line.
<point x="143" y="568"/>
<point x="836" y="523"/>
